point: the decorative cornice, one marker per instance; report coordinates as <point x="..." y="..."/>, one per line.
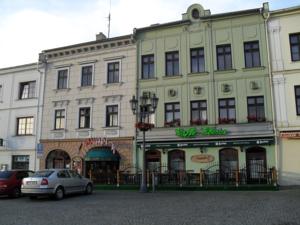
<point x="113" y="98"/>
<point x="61" y="103"/>
<point x="85" y="101"/>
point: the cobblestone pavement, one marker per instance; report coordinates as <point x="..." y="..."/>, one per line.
<point x="161" y="208"/>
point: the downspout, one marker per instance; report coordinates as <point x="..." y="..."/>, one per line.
<point x="266" y="16"/>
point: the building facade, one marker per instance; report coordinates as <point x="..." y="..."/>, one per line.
<point x="21" y="94"/>
<point x="87" y="121"/>
<point x="210" y="73"/>
<point x="284" y="39"/>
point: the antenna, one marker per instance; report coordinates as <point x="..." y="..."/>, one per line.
<point x="109" y="19"/>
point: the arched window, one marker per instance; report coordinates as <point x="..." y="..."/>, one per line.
<point x="58" y="159"/>
<point x="176" y="160"/>
<point x="153" y="159"/>
<point x="228" y="158"/>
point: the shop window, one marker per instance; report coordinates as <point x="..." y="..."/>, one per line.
<point x="297" y="98"/>
<point x="58" y="159"/>
<point x="112" y="116"/>
<point x="172" y="114"/>
<point x="224" y="61"/>
<point x="227" y="110"/>
<point x="176" y="160"/>
<point x="113" y="72"/>
<point x="228" y="158"/>
<point x="147" y="66"/>
<point x="59" y="119"/>
<point x="62" y="79"/>
<point x="27" y="90"/>
<point x="25" y="126"/>
<point x="197" y="60"/>
<point x="256" y="109"/>
<point x="86" y="75"/>
<point x="251" y="53"/>
<point x="84" y="117"/>
<point x="198" y="112"/>
<point x="295" y="46"/>
<point x="172" y="63"/>
<point x="20" y="162"/>
<point x="153" y="159"/>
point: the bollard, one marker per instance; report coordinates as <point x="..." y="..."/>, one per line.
<point x="148" y="178"/>
<point x="153" y="182"/>
<point x="118" y="178"/>
<point x="236" y="178"/>
<point x="201" y="178"/>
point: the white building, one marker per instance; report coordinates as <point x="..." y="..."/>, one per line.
<point x="284" y="42"/>
<point x="21" y="92"/>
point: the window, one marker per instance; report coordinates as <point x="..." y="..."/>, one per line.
<point x="25" y="126"/>
<point x="256" y="109"/>
<point x="20" y="162"/>
<point x="27" y="90"/>
<point x="147" y="66"/>
<point x="62" y="79"/>
<point x="224" y="57"/>
<point x="172" y="114"/>
<point x="59" y="119"/>
<point x="84" y="117"/>
<point x="176" y="161"/>
<point x="172" y="63"/>
<point x="86" y="75"/>
<point x="295" y="46"/>
<point x="113" y="72"/>
<point x="228" y="158"/>
<point x="197" y="60"/>
<point x="1" y="92"/>
<point x="251" y="51"/>
<point x="297" y="97"/>
<point x="112" y="115"/>
<point x="198" y="112"/>
<point x="227" y="110"/>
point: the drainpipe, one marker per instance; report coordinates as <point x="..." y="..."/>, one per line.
<point x="266" y="16"/>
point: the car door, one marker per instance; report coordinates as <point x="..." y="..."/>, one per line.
<point x="64" y="179"/>
<point x="77" y="181"/>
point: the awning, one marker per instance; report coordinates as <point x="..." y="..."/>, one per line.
<point x="101" y="154"/>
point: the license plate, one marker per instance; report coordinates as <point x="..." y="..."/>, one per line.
<point x="31" y="182"/>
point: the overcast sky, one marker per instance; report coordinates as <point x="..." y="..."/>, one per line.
<point x="29" y="26"/>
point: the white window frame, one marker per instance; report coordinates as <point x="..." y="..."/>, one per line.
<point x="91" y="116"/>
<point x="16" y="125"/>
<point x="55" y="118"/>
<point x="68" y="77"/>
<point x="93" y="74"/>
<point x="119" y="113"/>
<point x="120" y="70"/>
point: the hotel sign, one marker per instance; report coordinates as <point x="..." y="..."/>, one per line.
<point x="205" y="131"/>
<point x="290" y="135"/>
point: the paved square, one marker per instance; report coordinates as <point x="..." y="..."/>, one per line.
<point x="161" y="208"/>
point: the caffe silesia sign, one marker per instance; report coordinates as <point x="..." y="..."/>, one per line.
<point x="203" y="158"/>
<point x="205" y="131"/>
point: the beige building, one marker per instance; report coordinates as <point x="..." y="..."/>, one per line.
<point x="88" y="124"/>
<point x="284" y="42"/>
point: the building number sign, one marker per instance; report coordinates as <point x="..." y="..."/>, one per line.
<point x="205" y="131"/>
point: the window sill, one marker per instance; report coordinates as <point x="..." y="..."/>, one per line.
<point x="253" y="68"/>
<point x="172" y="77"/>
<point x="24" y="135"/>
<point x="146" y="80"/>
<point x="24" y="99"/>
<point x="198" y="74"/>
<point x="59" y="130"/>
<point x="86" y="87"/>
<point x="62" y="90"/>
<point x="113" y="84"/>
<point x="112" y="128"/>
<point x="225" y="71"/>
<point x="84" y="129"/>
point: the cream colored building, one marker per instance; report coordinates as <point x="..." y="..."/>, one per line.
<point x="284" y="42"/>
<point x="87" y="121"/>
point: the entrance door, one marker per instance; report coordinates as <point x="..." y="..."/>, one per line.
<point x="256" y="165"/>
<point x="176" y="160"/>
<point x="228" y="163"/>
<point x="102" y="172"/>
<point x="153" y="160"/>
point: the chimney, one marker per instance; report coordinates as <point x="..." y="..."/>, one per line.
<point x="100" y="36"/>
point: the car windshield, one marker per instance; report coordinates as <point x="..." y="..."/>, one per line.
<point x="43" y="173"/>
<point x="5" y="174"/>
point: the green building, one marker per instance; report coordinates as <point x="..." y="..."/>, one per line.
<point x="211" y="75"/>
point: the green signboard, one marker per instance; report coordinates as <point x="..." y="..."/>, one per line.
<point x="205" y="131"/>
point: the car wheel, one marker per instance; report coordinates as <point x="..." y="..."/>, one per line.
<point x="59" y="193"/>
<point x="89" y="189"/>
<point x="16" y="193"/>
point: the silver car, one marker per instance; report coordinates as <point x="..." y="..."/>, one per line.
<point x="56" y="183"/>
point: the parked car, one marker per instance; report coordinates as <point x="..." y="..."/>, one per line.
<point x="56" y="183"/>
<point x="11" y="181"/>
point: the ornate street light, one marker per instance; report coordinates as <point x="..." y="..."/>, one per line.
<point x="143" y="108"/>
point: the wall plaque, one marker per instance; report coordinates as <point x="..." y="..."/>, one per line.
<point x="203" y="158"/>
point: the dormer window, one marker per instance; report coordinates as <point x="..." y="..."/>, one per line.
<point x="195" y="14"/>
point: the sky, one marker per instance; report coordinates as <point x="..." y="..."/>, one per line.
<point x="29" y="26"/>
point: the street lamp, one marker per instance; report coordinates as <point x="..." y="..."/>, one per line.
<point x="143" y="108"/>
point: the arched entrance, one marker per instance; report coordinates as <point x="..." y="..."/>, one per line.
<point x="101" y="164"/>
<point x="176" y="160"/>
<point x="256" y="165"/>
<point x="58" y="159"/>
<point x="153" y="160"/>
<point x="228" y="160"/>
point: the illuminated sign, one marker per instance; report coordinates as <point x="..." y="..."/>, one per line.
<point x="205" y="131"/>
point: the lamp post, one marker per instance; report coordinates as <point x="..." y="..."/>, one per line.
<point x="143" y="108"/>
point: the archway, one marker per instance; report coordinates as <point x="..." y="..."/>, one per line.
<point x="58" y="159"/>
<point x="228" y="160"/>
<point x="153" y="160"/>
<point x="256" y="165"/>
<point x="176" y="160"/>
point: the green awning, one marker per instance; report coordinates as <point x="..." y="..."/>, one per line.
<point x="101" y="154"/>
